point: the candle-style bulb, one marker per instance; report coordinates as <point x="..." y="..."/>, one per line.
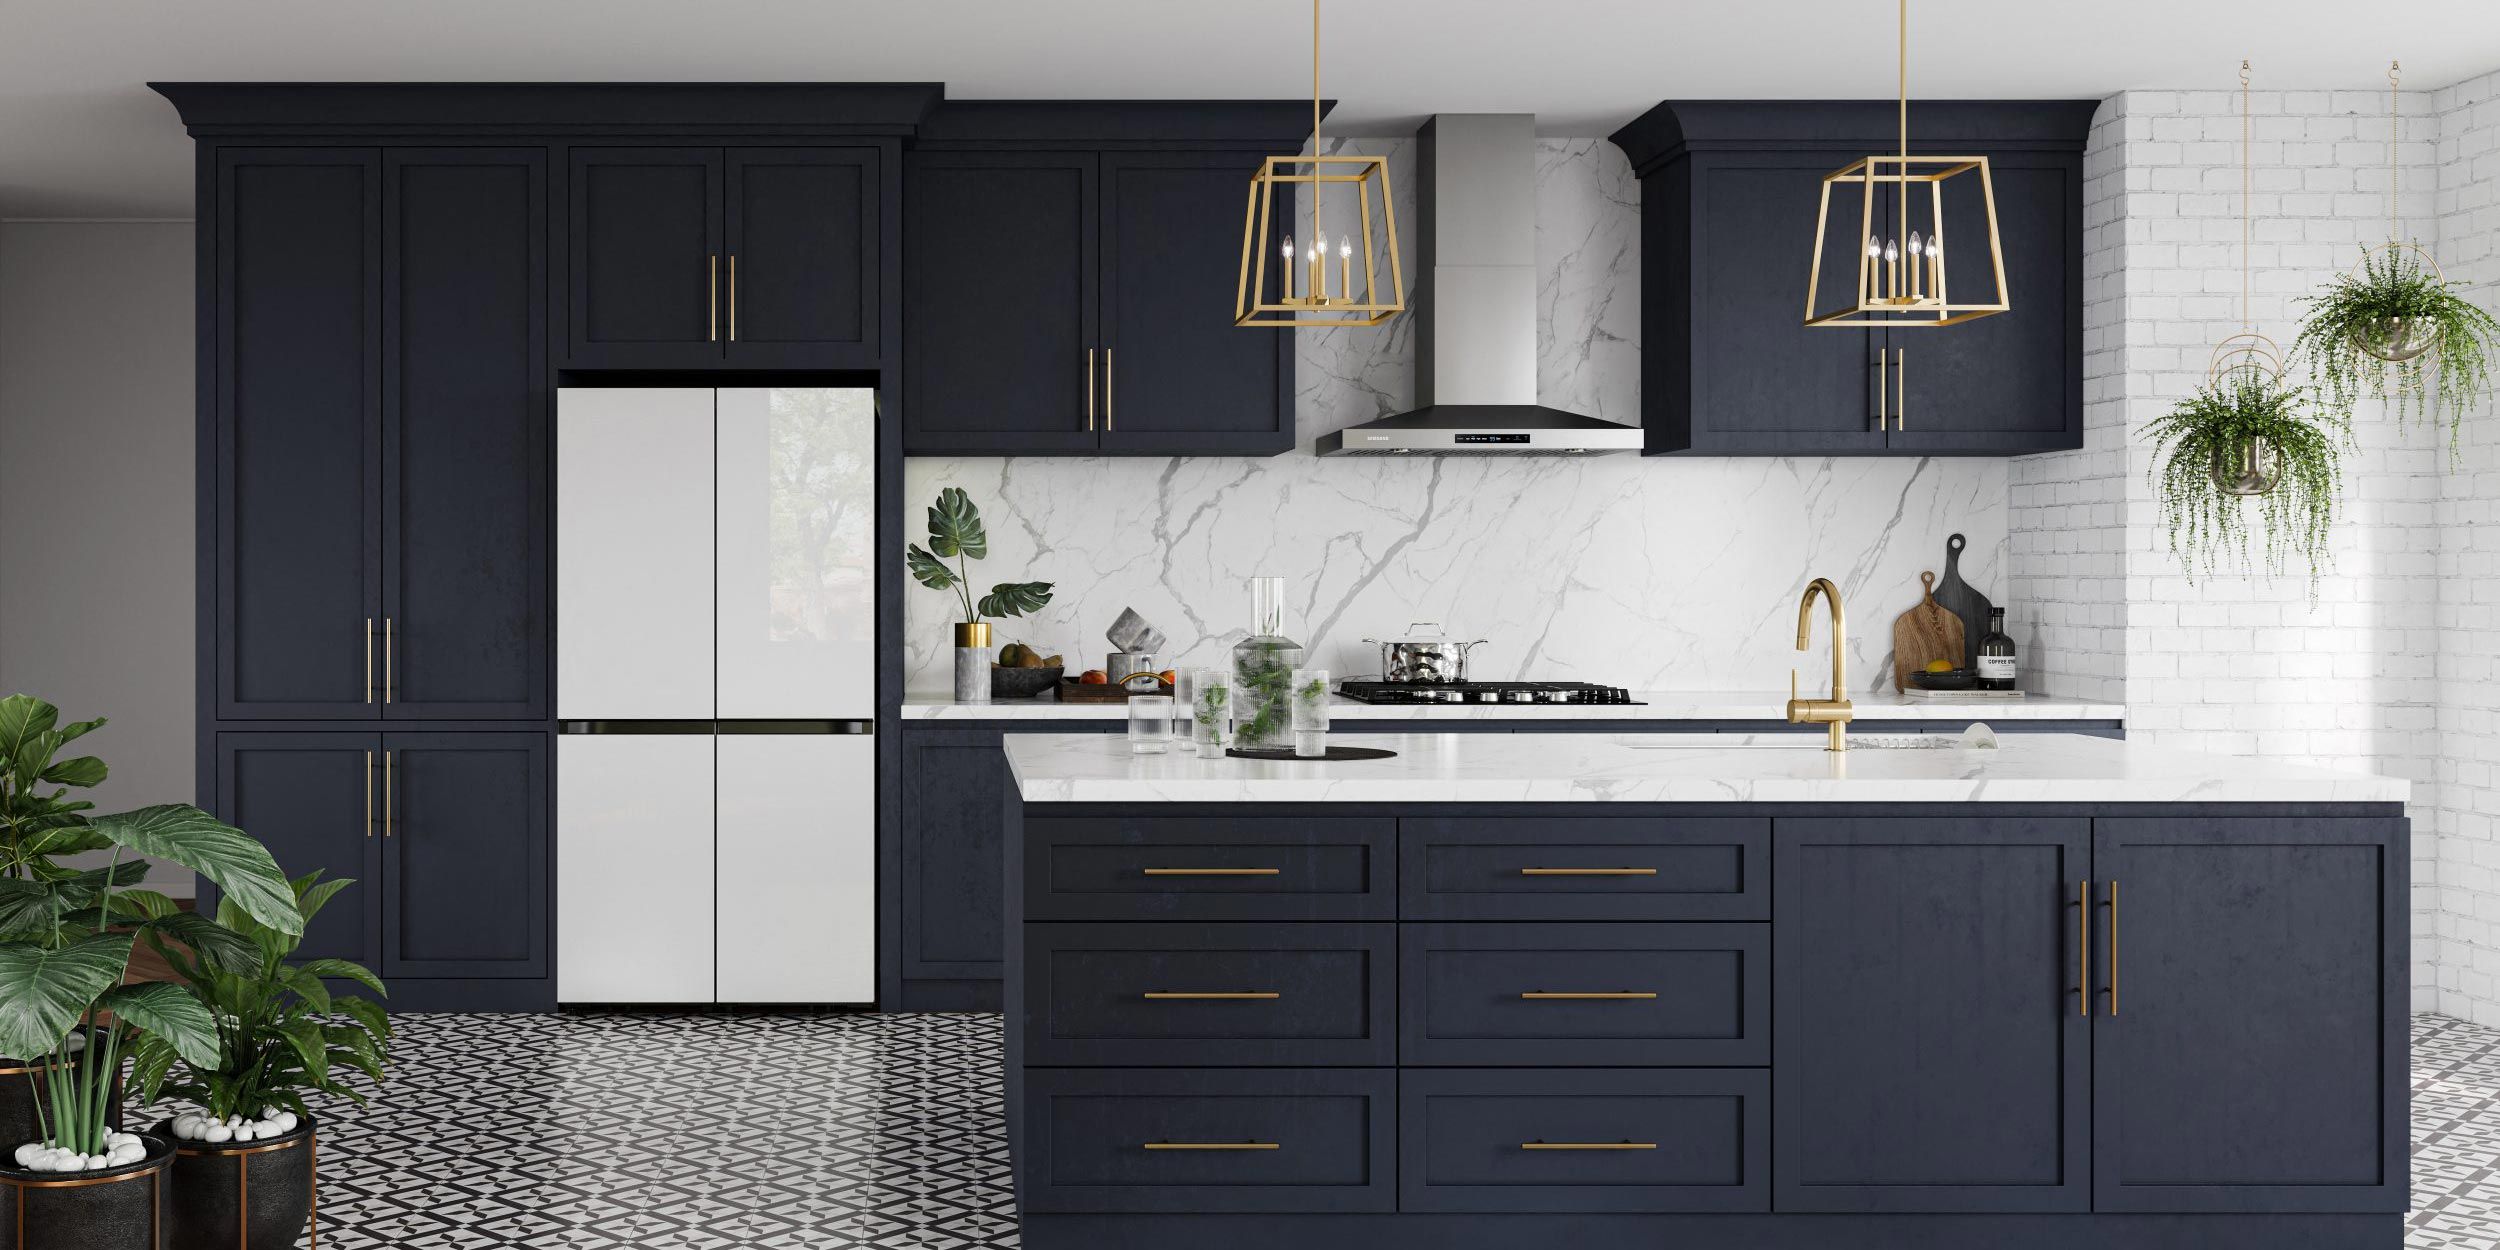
<point x="1892" y="250"/>
<point x="1918" y="246"/>
<point x="1345" y="249"/>
<point x="1288" y="247"/>
<point x="1874" y="250"/>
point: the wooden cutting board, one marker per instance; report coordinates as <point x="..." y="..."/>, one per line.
<point x="1964" y="601"/>
<point x="1925" y="632"/>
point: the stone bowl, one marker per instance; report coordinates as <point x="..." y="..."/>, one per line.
<point x="1023" y="683"/>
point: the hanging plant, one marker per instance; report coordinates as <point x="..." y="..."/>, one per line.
<point x="2382" y="329"/>
<point x="2244" y="440"/>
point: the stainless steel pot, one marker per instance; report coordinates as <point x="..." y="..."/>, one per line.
<point x="1424" y="658"/>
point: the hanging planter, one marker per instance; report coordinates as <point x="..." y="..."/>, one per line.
<point x="2392" y="328"/>
<point x="2247" y="442"/>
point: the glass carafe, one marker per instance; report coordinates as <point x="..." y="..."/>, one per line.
<point x="1263" y="665"/>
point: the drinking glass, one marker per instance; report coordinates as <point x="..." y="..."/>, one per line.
<point x="1310" y="712"/>
<point x="1185" y="704"/>
<point x="1149" y="723"/>
<point x="1211" y="710"/>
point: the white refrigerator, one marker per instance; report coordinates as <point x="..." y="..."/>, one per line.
<point x="716" y="654"/>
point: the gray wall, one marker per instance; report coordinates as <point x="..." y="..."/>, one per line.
<point x="96" y="556"/>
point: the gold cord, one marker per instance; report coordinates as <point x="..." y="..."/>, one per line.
<point x="2248" y="180"/>
<point x="1315" y="148"/>
<point x="1902" y="170"/>
<point x="2395" y="134"/>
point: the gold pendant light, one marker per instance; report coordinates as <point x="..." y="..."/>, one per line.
<point x="1901" y="280"/>
<point x="1305" y="289"/>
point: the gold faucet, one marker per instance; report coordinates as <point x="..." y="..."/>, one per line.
<point x="1834" y="713"/>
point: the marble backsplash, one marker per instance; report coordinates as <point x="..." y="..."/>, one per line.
<point x="1659" y="574"/>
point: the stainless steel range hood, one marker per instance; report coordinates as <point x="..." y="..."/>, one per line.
<point x="1475" y="364"/>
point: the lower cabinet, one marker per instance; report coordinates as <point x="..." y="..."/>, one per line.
<point x="1584" y="1139"/>
<point x="1209" y="1139"/>
<point x="445" y="835"/>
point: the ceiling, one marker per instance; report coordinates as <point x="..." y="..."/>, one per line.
<point x="81" y="136"/>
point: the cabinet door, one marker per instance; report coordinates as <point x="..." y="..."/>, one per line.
<point x="1930" y="1053"/>
<point x="634" y="553"/>
<point x="1761" y="380"/>
<point x="465" y="855"/>
<point x="801" y="257"/>
<point x="1179" y="376"/>
<point x="2249" y="1041"/>
<point x="298" y="384"/>
<point x="645" y="264"/>
<point x="1001" y="352"/>
<point x="634" y="868"/>
<point x="464" y="424"/>
<point x="795" y="817"/>
<point x="314" y="799"/>
<point x="2012" y="382"/>
<point x="794" y="595"/>
<point x="954" y="791"/>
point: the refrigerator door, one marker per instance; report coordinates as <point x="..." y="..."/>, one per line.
<point x="797" y="891"/>
<point x="795" y="609"/>
<point x="634" y="553"/>
<point x="634" y="868"/>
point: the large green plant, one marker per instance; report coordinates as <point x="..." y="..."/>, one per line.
<point x="66" y="932"/>
<point x="277" y="1037"/>
<point x="2362" y="310"/>
<point x="2208" y="434"/>
<point x="955" y="530"/>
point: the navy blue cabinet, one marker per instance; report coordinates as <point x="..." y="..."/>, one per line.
<point x="1585" y="1139"/>
<point x="313" y="800"/>
<point x="705" y="257"/>
<point x="1730" y="199"/>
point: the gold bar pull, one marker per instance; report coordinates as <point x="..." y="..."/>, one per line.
<point x="1882" y="357"/>
<point x="368" y="794"/>
<point x="2113" y="946"/>
<point x="733" y="297"/>
<point x="1089" y="388"/>
<point x="1211" y="872"/>
<point x="386" y="794"/>
<point x="368" y="659"/>
<point x="1559" y="995"/>
<point x="1901" y="389"/>
<point x="1588" y="1145"/>
<point x="1106" y="390"/>
<point x="1588" y="872"/>
<point x="1210" y="1145"/>
<point x="711" y="296"/>
<point x="390" y="659"/>
<point x="1166" y="996"/>
<point x="2083" y="948"/>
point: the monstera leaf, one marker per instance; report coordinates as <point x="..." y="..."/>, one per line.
<point x="1015" y="598"/>
<point x="927" y="569"/>
<point x="955" y="526"/>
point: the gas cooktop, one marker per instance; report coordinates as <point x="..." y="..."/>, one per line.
<point x="1483" y="692"/>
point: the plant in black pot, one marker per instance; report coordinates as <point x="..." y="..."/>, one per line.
<point x="66" y="933"/>
<point x="243" y="1166"/>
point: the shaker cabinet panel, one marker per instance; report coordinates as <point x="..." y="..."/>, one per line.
<point x="801" y="257"/>
<point x="315" y="800"/>
<point x="464" y="421"/>
<point x="466" y="855"/>
<point x="1000" y="289"/>
<point x="297" y="378"/>
<point x="953" y="862"/>
<point x="645" y="245"/>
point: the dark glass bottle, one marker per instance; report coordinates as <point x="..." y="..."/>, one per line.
<point x="1996" y="654"/>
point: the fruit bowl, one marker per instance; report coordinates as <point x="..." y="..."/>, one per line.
<point x="1009" y="682"/>
<point x="1956" y="679"/>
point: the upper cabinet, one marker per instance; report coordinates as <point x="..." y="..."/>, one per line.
<point x="1068" y="279"/>
<point x="1730" y="192"/>
<point x="707" y="257"/>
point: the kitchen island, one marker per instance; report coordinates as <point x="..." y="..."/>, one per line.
<point x="1706" y="990"/>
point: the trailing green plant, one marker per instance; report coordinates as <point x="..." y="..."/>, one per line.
<point x="281" y="1033"/>
<point x="2215" y="426"/>
<point x="66" y="932"/>
<point x="955" y="531"/>
<point x="2363" y="308"/>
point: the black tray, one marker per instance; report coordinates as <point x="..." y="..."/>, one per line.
<point x="1286" y="754"/>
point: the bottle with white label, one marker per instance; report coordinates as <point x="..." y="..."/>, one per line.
<point x="1996" y="654"/>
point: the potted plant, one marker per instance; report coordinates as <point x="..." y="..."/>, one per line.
<point x="65" y="940"/>
<point x="2247" y="435"/>
<point x="243" y="1162"/>
<point x="955" y="531"/>
<point x="2384" y="327"/>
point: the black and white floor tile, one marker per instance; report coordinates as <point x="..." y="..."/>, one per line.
<point x="800" y="1132"/>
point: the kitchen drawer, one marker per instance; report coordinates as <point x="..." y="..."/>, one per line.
<point x="1219" y="868"/>
<point x="1584" y="1139"/>
<point x="1567" y="995"/>
<point x="1208" y="1140"/>
<point x="1525" y="868"/>
<point x="1155" y="995"/>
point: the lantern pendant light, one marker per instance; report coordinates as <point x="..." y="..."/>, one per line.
<point x="1901" y="275"/>
<point x="1303" y="291"/>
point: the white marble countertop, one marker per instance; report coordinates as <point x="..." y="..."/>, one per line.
<point x="1679" y="768"/>
<point x="1657" y="705"/>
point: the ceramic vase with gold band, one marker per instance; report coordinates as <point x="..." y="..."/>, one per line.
<point x="972" y="661"/>
<point x="124" y="1208"/>
<point x="250" y="1195"/>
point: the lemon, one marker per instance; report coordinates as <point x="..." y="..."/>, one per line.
<point x="1940" y="666"/>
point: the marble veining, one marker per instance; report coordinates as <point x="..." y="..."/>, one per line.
<point x="1677" y="768"/>
<point x="1655" y="705"/>
<point x="1664" y="574"/>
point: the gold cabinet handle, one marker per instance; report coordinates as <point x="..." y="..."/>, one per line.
<point x="1901" y="388"/>
<point x="1211" y="872"/>
<point x="1588" y="872"/>
<point x="2113" y="946"/>
<point x="1883" y="357"/>
<point x="1089" y="389"/>
<point x="386" y="794"/>
<point x="368" y="794"/>
<point x="711" y="297"/>
<point x="1167" y="996"/>
<point x="1209" y="1145"/>
<point x="2083" y="948"/>
<point x="1106" y="391"/>
<point x="368" y="660"/>
<point x="390" y="659"/>
<point x="733" y="297"/>
<point x="1563" y="995"/>
<point x="1588" y="1145"/>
